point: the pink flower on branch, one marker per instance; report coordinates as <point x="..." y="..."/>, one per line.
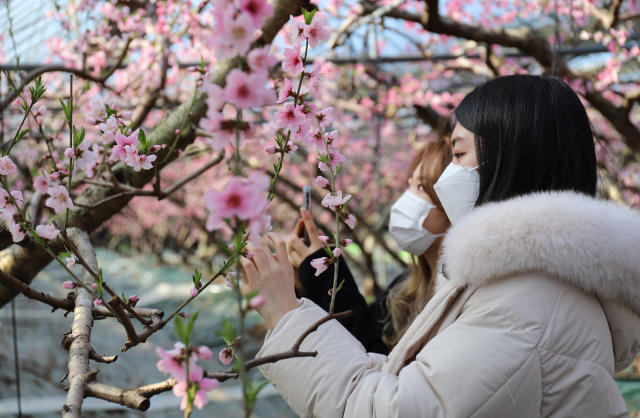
<point x="258" y="10"/>
<point x="324" y="117"/>
<point x="109" y="129"/>
<point x="295" y="29"/>
<point x="82" y="155"/>
<point x="257" y="301"/>
<point x="316" y="32"/>
<point x="335" y="202"/>
<point x="259" y="59"/>
<point x="224" y="129"/>
<point x="320" y="264"/>
<point x="69" y="284"/>
<point x="287" y="91"/>
<point x="241" y="199"/>
<point x="42" y="182"/>
<point x="234" y="37"/>
<point x="118" y="152"/>
<point x="6" y="201"/>
<point x="138" y="161"/>
<point x="246" y="90"/>
<point x="335" y="158"/>
<point x="323" y="182"/>
<point x="59" y="199"/>
<point x="97" y="113"/>
<point x="193" y="291"/>
<point x="226" y="356"/>
<point x="336" y="252"/>
<point x="292" y="61"/>
<point x="349" y="219"/>
<point x="97" y="302"/>
<point x="315" y="80"/>
<point x="7" y="167"/>
<point x="291" y="117"/>
<point x="203" y="352"/>
<point x="71" y="262"/>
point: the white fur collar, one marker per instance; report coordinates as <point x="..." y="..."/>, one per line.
<point x="592" y="244"/>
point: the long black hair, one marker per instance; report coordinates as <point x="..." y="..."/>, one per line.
<point x="532" y="134"/>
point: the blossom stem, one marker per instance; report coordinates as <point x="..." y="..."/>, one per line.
<point x="20" y="128"/>
<point x="239" y="349"/>
<point x="283" y="149"/>
<point x="66" y="216"/>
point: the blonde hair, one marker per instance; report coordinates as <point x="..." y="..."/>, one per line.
<point x="407" y="299"/>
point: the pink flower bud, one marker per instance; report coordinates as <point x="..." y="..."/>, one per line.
<point x="177" y="131"/>
<point x="345" y="242"/>
<point x="200" y="284"/>
<point x="330" y="292"/>
<point x="337" y="252"/>
<point x="127" y="114"/>
<point x="325" y="239"/>
<point x="69" y="153"/>
<point x="97" y="302"/>
<point x="256" y="302"/>
<point x="190" y="114"/>
<point x="133" y="298"/>
<point x="155" y="148"/>
<point x="204" y="352"/>
<point x="249" y="255"/>
<point x="322" y="182"/>
<point x="184" y="315"/>
<point x="193" y="291"/>
<point x="69" y="284"/>
<point x="226" y="356"/>
<point x="270" y="150"/>
<point x="228" y="282"/>
<point x="232" y="247"/>
<point x="291" y="148"/>
<point x="94" y="286"/>
<point x="71" y="262"/>
<point x="191" y="69"/>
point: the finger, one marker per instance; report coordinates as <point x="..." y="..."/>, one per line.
<point x="298" y="231"/>
<point x="298" y="245"/>
<point x="295" y="259"/>
<point x="281" y="248"/>
<point x="312" y="229"/>
<point x="260" y="259"/>
<point x="250" y="272"/>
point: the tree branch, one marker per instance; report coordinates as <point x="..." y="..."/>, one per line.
<point x="67" y="304"/>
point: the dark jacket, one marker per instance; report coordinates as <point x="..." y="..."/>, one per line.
<point x="366" y="322"/>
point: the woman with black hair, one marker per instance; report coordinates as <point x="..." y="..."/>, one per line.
<point x="543" y="300"/>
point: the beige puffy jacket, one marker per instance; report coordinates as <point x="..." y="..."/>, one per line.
<point x="541" y="309"/>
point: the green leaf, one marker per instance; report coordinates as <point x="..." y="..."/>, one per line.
<point x="252" y="392"/>
<point x="179" y="328"/>
<point x="36" y="237"/>
<point x="196" y="279"/>
<point x="67" y="110"/>
<point x="328" y="251"/>
<point x="21" y="134"/>
<point x="192" y="322"/>
<point x="78" y="137"/>
<point x="124" y="298"/>
<point x="339" y="286"/>
<point x="308" y="16"/>
<point x="251" y="294"/>
<point x="228" y="332"/>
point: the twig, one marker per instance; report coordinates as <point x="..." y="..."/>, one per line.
<point x="56" y="303"/>
<point x="101" y="358"/>
<point x="132" y="336"/>
<point x="130" y="398"/>
<point x="143" y="312"/>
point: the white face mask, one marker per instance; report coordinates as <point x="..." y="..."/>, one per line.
<point x="405" y="224"/>
<point x="458" y="188"/>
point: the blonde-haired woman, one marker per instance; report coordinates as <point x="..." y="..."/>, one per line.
<point x="417" y="223"/>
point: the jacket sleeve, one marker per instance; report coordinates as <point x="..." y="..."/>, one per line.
<point x="363" y="324"/>
<point x="469" y="370"/>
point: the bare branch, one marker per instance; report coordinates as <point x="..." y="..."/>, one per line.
<point x="143" y="312"/>
<point x="101" y="358"/>
<point x="128" y="397"/>
<point x="67" y="304"/>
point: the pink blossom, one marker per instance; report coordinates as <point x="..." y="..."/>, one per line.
<point x="296" y="31"/>
<point x="345" y="242"/>
<point x="215" y="96"/>
<point x="258" y="10"/>
<point x="118" y="152"/>
<point x="226" y="356"/>
<point x="259" y="59"/>
<point x="316" y="138"/>
<point x="241" y="198"/>
<point x="196" y="375"/>
<point x="225" y="129"/>
<point x="7" y="167"/>
<point x="94" y="286"/>
<point x="270" y="150"/>
<point x="138" y="161"/>
<point x="172" y="360"/>
<point x="292" y="61"/>
<point x="324" y="117"/>
<point x="7" y="203"/>
<point x="69" y="284"/>
<point x="287" y="91"/>
<point x="97" y="302"/>
<point x="234" y="37"/>
<point x="59" y="199"/>
<point x="315" y="80"/>
<point x="127" y="114"/>
<point x="335" y="202"/>
<point x="183" y="314"/>
<point x="82" y="155"/>
<point x="228" y="281"/>
<point x="71" y="262"/>
<point x="133" y="298"/>
<point x="69" y="153"/>
<point x="47" y="231"/>
<point x="193" y="291"/>
<point x="331" y="137"/>
<point x="326" y="240"/>
<point x="232" y="247"/>
<point x="266" y="222"/>
<point x="349" y="219"/>
<point x="320" y="264"/>
<point x="256" y="302"/>
<point x="203" y="352"/>
<point x="335" y="158"/>
<point x="316" y="31"/>
<point x="245" y="90"/>
<point x="336" y="252"/>
<point x="18" y="232"/>
<point x="291" y="116"/>
<point x="323" y="182"/>
<point x="97" y="113"/>
<point x="291" y="148"/>
<point x="110" y="129"/>
<point x="249" y="255"/>
<point x="41" y="182"/>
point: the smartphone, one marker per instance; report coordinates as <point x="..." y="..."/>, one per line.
<point x="306" y="192"/>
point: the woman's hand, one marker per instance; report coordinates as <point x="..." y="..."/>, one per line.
<point x="298" y="250"/>
<point x="272" y="276"/>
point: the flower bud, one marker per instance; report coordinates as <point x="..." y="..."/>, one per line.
<point x="69" y="153"/>
<point x="226" y="356"/>
<point x="345" y="242"/>
<point x="184" y="315"/>
<point x="133" y="298"/>
<point x="337" y="252"/>
<point x="71" y="262"/>
<point x="97" y="302"/>
<point x="322" y="182"/>
<point x="193" y="292"/>
<point x="256" y="302"/>
<point x="249" y="255"/>
<point x="177" y="131"/>
<point x="94" y="286"/>
<point x="270" y="150"/>
<point x="69" y="284"/>
<point x="232" y="247"/>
